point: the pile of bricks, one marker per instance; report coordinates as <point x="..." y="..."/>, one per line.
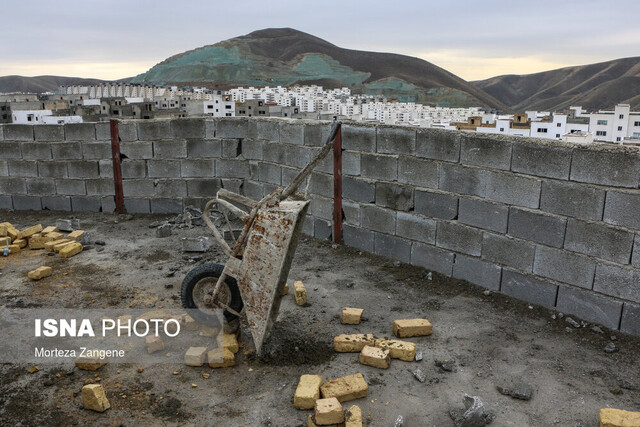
<point x="222" y="356"/>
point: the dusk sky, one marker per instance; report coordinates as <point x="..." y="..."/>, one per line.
<point x="474" y="40"/>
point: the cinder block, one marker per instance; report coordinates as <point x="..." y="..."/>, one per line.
<point x="49" y="133"/>
<point x="376" y="357"/>
<point x="320" y="207"/>
<point x="483" y="151"/>
<point x="188" y="128"/>
<point x="275" y="153"/>
<point x="85" y="204"/>
<point x="299" y="157"/>
<point x="351" y="213"/>
<point x="307" y="391"/>
<point x="13" y="185"/>
<point x="66" y="150"/>
<point x="432" y="258"/>
<point x="13" y="132"/>
<point x="83" y="169"/>
<point x="618" y="168"/>
<point x="131" y="169"/>
<point x="270" y="173"/>
<point x="358" y="238"/>
<point x="229" y="168"/>
<point x="108" y="204"/>
<point x="10" y="150"/>
<point x="459" y="238"/>
<point x="198" y="168"/>
<point x="540" y="159"/>
<point x="508" y="251"/>
<point x="438" y="144"/>
<point x="207" y="148"/>
<point x="174" y="149"/>
<point x="96" y="150"/>
<point x="436" y="205"/>
<point x="380" y="167"/>
<point x="405" y="328"/>
<point x="635" y="259"/>
<point x="477" y="272"/>
<point x="100" y="187"/>
<point x="359" y="138"/>
<point x="22" y="168"/>
<point x="40" y="186"/>
<point x="264" y="129"/>
<point x="232" y="128"/>
<point x="397" y="197"/>
<point x="165" y="206"/>
<point x="322" y="229"/>
<point x="52" y="169"/>
<point x="392" y="247"/>
<point x="360" y="190"/>
<point x="204" y="187"/>
<point x="599" y="240"/>
<point x="345" y="388"/>
<point x="316" y="134"/>
<point x="291" y="133"/>
<point x="6" y="202"/>
<point x="163" y="168"/>
<point x="415" y="227"/>
<point x="210" y="127"/>
<point x="417" y="172"/>
<point x="154" y="130"/>
<point x="127" y="131"/>
<point x="513" y="190"/>
<point x="351" y="164"/>
<point x="622" y="209"/>
<point x="252" y="149"/>
<point x="135" y="188"/>
<point x="589" y="306"/>
<point x="80" y="132"/>
<point x="1" y="132"/>
<point x="462" y="180"/>
<point x="576" y="200"/>
<point x="537" y="227"/>
<point x="170" y="188"/>
<point x="136" y="150"/>
<point x="482" y="214"/>
<point x="103" y="131"/>
<point x="4" y="168"/>
<point x="134" y="205"/>
<point x="105" y="168"/>
<point x="630" y="319"/>
<point x="321" y="184"/>
<point x="36" y="151"/>
<point x="378" y="219"/>
<point x="307" y="226"/>
<point x="528" y="288"/>
<point x="396" y="140"/>
<point x="26" y="203"/>
<point x="232" y="184"/>
<point x="617" y="282"/>
<point x="231" y="148"/>
<point x="564" y="266"/>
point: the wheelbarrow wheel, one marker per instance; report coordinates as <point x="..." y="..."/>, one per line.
<point x="200" y="282"/>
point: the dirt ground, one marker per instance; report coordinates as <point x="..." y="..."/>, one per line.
<point x="494" y="340"/>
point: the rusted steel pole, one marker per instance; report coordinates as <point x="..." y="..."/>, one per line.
<point x="337" y="186"/>
<point x="117" y="171"/>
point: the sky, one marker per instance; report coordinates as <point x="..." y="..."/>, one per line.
<point x="472" y="39"/>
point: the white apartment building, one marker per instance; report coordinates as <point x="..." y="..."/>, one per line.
<point x="616" y="125"/>
<point x="41" y="117"/>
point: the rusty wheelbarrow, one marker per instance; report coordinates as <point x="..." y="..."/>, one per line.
<point x="255" y="274"/>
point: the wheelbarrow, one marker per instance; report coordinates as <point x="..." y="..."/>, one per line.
<point x="256" y="271"/>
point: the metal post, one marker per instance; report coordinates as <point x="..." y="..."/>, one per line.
<point x="117" y="171"/>
<point x="337" y="186"/>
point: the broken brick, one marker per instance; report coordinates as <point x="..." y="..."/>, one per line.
<point x="300" y="293"/>
<point x="352" y="343"/>
<point x="70" y="250"/>
<point x="40" y="273"/>
<point x="312" y="423"/>
<point x="345" y="388"/>
<point x="285" y="289"/>
<point x="376" y="357"/>
<point x="94" y="398"/>
<point x="195" y="356"/>
<point x="228" y="358"/>
<point x="90" y="363"/>
<point x="307" y="392"/>
<point x="610" y="417"/>
<point x="154" y="343"/>
<point x="405" y="328"/>
<point x="30" y="231"/>
<point x="328" y="411"/>
<point x="230" y="342"/>
<point x="402" y="350"/>
<point x="353" y="417"/>
<point x="351" y="316"/>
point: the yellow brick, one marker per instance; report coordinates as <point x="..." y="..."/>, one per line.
<point x="76" y="235"/>
<point x="22" y="243"/>
<point x="12" y="232"/>
<point x="4" y="241"/>
<point x="311" y="423"/>
<point x="230" y="342"/>
<point x="49" y="229"/>
<point x="307" y="392"/>
<point x="37" y="241"/>
<point x="405" y="328"/>
<point x="90" y="363"/>
<point x="610" y="417"/>
<point x="190" y="323"/>
<point x="353" y="417"/>
<point x="154" y="343"/>
<point x="328" y="411"/>
<point x="402" y="350"/>
<point x="300" y="293"/>
<point x="14" y="249"/>
<point x="94" y="398"/>
<point x="40" y="273"/>
<point x="345" y="388"/>
<point x="49" y="245"/>
<point x="351" y="316"/>
<point x="56" y="248"/>
<point x="195" y="356"/>
<point x="30" y="231"/>
<point x="70" y="250"/>
<point x="352" y="343"/>
<point x="55" y="235"/>
<point x="285" y="290"/>
<point x="376" y="357"/>
<point x="228" y="358"/>
<point x="3" y="230"/>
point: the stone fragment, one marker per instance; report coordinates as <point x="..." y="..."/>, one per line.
<point x="402" y="350"/>
<point x="94" y="398"/>
<point x="300" y="293"/>
<point x="610" y="417"/>
<point x="307" y="392"/>
<point x="351" y="316"/>
<point x="154" y="343"/>
<point x="164" y="230"/>
<point x="40" y="273"/>
<point x="376" y="357"/>
<point x="420" y="376"/>
<point x="352" y="343"/>
<point x="345" y="388"/>
<point x="448" y="365"/>
<point x="405" y="328"/>
<point x="328" y="411"/>
<point x="64" y="225"/>
<point x="195" y="356"/>
<point x="285" y="290"/>
<point x="474" y="414"/>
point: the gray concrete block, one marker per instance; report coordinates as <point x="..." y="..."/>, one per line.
<point x="52" y="169"/>
<point x="18" y="132"/>
<point x="206" y="148"/>
<point x="36" y="151"/>
<point x="66" y="150"/>
<point x="589" y="306"/>
<point x="132" y="169"/>
<point x="432" y="258"/>
<point x="482" y="214"/>
<point x="12" y="185"/>
<point x="292" y="133"/>
<point x="270" y="173"/>
<point x="351" y="164"/>
<point x="321" y="184"/>
<point x="513" y="190"/>
<point x="105" y="167"/>
<point x="170" y="188"/>
<point x="322" y="229"/>
<point x="135" y="188"/>
<point x="622" y="209"/>
<point x="396" y="140"/>
<point x="477" y="272"/>
<point x="358" y="238"/>
<point x="56" y="203"/>
<point x="166" y="206"/>
<point x="26" y="203"/>
<point x="127" y="131"/>
<point x="564" y="266"/>
<point x="508" y="251"/>
<point x="108" y="204"/>
<point x="415" y="227"/>
<point x="231" y="128"/>
<point x="288" y="175"/>
<point x="359" y="138"/>
<point x="392" y="247"/>
<point x="71" y="187"/>
<point x="533" y="158"/>
<point x="234" y="185"/>
<point x="136" y="150"/>
<point x="357" y="189"/>
<point x="154" y="130"/>
<point x="80" y="132"/>
<point x="97" y="150"/>
<point x="252" y="149"/>
<point x="264" y="129"/>
<point x="462" y="180"/>
<point x="230" y="168"/>
<point x="197" y="168"/>
<point x="4" y="168"/>
<point x="40" y="186"/>
<point x="326" y="164"/>
<point x="438" y="144"/>
<point x="102" y="187"/>
<point x="10" y="150"/>
<point x="231" y="148"/>
<point x="630" y="323"/>
<point x="397" y="197"/>
<point x="537" y="227"/>
<point x="617" y="281"/>
<point x="635" y="259"/>
<point x="320" y="207"/>
<point x="599" y="240"/>
<point x="379" y="167"/>
<point x="6" y="202"/>
<point x="484" y="151"/>
<point x="436" y="205"/>
<point x="528" y="288"/>
<point x="417" y="172"/>
<point x="576" y="200"/>
<point x="210" y="127"/>
<point x="83" y="169"/>
<point x="315" y="135"/>
<point x="163" y="168"/>
<point x="459" y="238"/>
<point x="275" y="153"/>
<point x="174" y="149"/>
<point x="307" y="226"/>
<point x="618" y="168"/>
<point x="350" y="213"/>
<point x="86" y="204"/>
<point x="187" y="128"/>
<point x="137" y="206"/>
<point x="378" y="219"/>
<point x="103" y="131"/>
<point x="252" y="189"/>
<point x="299" y="157"/>
<point x="204" y="187"/>
<point x="1" y="132"/>
<point x="22" y="168"/>
<point x="49" y="133"/>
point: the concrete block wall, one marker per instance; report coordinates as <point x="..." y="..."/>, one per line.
<point x="550" y="223"/>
